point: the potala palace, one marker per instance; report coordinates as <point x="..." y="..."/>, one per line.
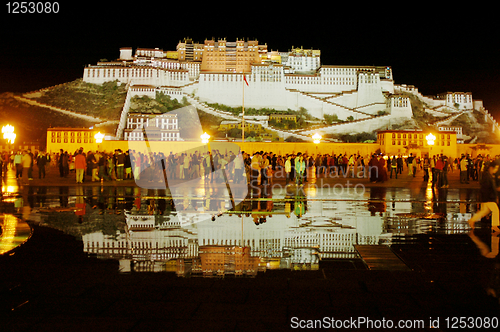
<point x="240" y="72"/>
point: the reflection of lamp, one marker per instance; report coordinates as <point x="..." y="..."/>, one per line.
<point x="205" y="137"/>
<point x="316" y="138"/>
<point x="8" y="133"/>
<point x="430" y="141"/>
<point x="99" y="137"/>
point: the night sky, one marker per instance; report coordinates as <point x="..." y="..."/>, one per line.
<point x="437" y="49"/>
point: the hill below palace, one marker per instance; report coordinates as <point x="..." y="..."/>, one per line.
<point x="87" y="104"/>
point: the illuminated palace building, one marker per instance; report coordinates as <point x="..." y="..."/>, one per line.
<point x="217" y="71"/>
<point x="213" y="72"/>
<point x="159" y="127"/>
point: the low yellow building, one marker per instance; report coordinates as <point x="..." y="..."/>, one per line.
<point x="281" y="117"/>
<point x="227" y="125"/>
<point x="419" y="143"/>
<point x="71" y="139"/>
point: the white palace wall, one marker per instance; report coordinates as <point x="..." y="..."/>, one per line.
<point x="269" y="87"/>
<point x="137" y="75"/>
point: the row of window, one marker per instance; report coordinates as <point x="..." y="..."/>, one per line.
<point x="138" y="136"/>
<point x="140" y="126"/>
<point x="72" y="140"/>
<point x="146" y="120"/>
<point x="133" y="73"/>
<point x="415" y="136"/>
<point x="72" y="134"/>
<point x="421" y="143"/>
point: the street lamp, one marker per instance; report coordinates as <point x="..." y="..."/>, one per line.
<point x="205" y="137"/>
<point x="316" y="138"/>
<point x="430" y="139"/>
<point x="98" y="137"/>
<point x="8" y="133"/>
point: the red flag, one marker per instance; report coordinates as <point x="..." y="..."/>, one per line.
<point x="245" y="78"/>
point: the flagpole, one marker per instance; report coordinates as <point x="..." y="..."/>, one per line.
<point x="243" y="109"/>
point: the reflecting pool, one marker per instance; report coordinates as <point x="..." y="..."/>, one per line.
<point x="280" y="227"/>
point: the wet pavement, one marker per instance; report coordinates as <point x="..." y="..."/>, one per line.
<point x="120" y="258"/>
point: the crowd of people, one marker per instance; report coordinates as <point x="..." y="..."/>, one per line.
<point x="260" y="167"/>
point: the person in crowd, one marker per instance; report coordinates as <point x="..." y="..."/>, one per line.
<point x="288" y="168"/>
<point x="409" y="162"/>
<point x="414" y="166"/>
<point x="80" y="165"/>
<point x="60" y="163"/>
<point x="27" y="161"/>
<point x="90" y="163"/>
<point x="463" y="165"/>
<point x="96" y="157"/>
<point x="426" y="165"/>
<point x="255" y="169"/>
<point x="120" y="165"/>
<point x="394" y="167"/>
<point x="186" y="164"/>
<point x="445" y="172"/>
<point x="239" y="168"/>
<point x="18" y="164"/>
<point x="438" y="170"/>
<point x="128" y="165"/>
<point x="400" y="164"/>
<point x="299" y="169"/>
<point x="103" y="174"/>
<point x="489" y="198"/>
<point x="264" y="165"/>
<point x="373" y="168"/>
<point x="41" y="162"/>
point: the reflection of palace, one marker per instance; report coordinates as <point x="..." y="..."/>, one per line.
<point x="284" y="228"/>
<point x="297" y="232"/>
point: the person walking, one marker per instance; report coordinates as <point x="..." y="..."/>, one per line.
<point x="414" y="166"/>
<point x="26" y="162"/>
<point x="489" y="199"/>
<point x="409" y="162"/>
<point x="463" y="170"/>
<point x="445" y="172"/>
<point x="394" y="166"/>
<point x="41" y="161"/>
<point x="103" y="175"/>
<point x="18" y="164"/>
<point x="80" y="165"/>
<point x="299" y="169"/>
<point x="400" y="164"/>
<point x="120" y="165"/>
<point x="239" y="168"/>
<point x="288" y="168"/>
<point x="128" y="165"/>
<point x="255" y="169"/>
<point x="438" y="170"/>
<point x="318" y="163"/>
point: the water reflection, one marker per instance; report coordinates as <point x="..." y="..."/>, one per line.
<point x="274" y="228"/>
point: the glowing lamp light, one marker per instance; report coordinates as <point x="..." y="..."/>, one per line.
<point x="430" y="139"/>
<point x="316" y="138"/>
<point x="205" y="137"/>
<point x="99" y="137"/>
<point x="8" y="133"/>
